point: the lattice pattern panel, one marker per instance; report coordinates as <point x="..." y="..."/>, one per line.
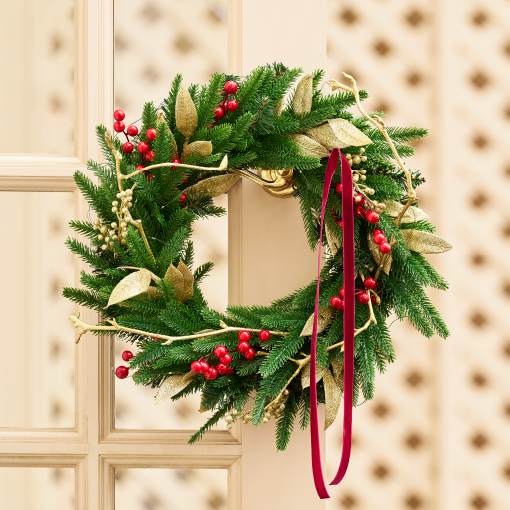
<point x="435" y="436"/>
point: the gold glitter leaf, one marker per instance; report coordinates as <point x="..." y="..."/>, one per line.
<point x="424" y="242"/>
<point x="186" y="117"/>
<point x="150" y="294"/>
<point x="377" y="255"/>
<point x="202" y="148"/>
<point x="323" y="320"/>
<point x="173" y="385"/>
<point x="309" y="147"/>
<point x="338" y="372"/>
<point x="412" y="214"/>
<point x="333" y="398"/>
<point x="161" y="124"/>
<point x="213" y="186"/>
<point x="130" y="286"/>
<point x="338" y="133"/>
<point x="333" y="242"/>
<point x="302" y="102"/>
<point x="188" y="280"/>
<point x="305" y="375"/>
<point x="175" y="277"/>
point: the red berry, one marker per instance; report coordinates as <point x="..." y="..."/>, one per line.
<point x="372" y="217"/>
<point x="151" y="134"/>
<point x="360" y="211"/>
<point x="342" y="292"/>
<point x="177" y="160"/>
<point x="221" y="368"/>
<point x="338" y="188"/>
<point x="341" y="305"/>
<point x="143" y="147"/>
<point x="118" y="115"/>
<point x="196" y="367"/>
<point x="378" y="231"/>
<point x="118" y="126"/>
<point x="264" y="335"/>
<point x="243" y="346"/>
<point x="231" y="105"/>
<point x="128" y="147"/>
<point x="220" y="351"/>
<point x="226" y="359"/>
<point x="230" y="87"/>
<point x="127" y="355"/>
<point x="385" y="247"/>
<point x="132" y="130"/>
<point x="244" y="336"/>
<point x="150" y="156"/>
<point x="250" y="353"/>
<point x="182" y="198"/>
<point x="205" y="367"/>
<point x="150" y="177"/>
<point x="122" y="372"/>
<point x="373" y="299"/>
<point x="363" y="298"/>
<point x="379" y="238"/>
<point x="218" y="112"/>
<point x="335" y="301"/>
<point x="212" y="373"/>
<point x="369" y="283"/>
<point x="340" y="223"/>
<point x="185" y="178"/>
<point x="359" y="199"/>
<point x="229" y="371"/>
<point x="139" y="167"/>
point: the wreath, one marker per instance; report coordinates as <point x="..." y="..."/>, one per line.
<point x="256" y="363"/>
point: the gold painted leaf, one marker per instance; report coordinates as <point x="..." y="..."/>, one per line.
<point x="130" y="286"/>
<point x="323" y="320"/>
<point x="305" y="375"/>
<point x="338" y="133"/>
<point x="424" y="242"/>
<point x="309" y="147"/>
<point x="412" y="214"/>
<point x="333" y="242"/>
<point x="202" y="148"/>
<point x="333" y="398"/>
<point x="377" y="255"/>
<point x="186" y="117"/>
<point x="161" y="124"/>
<point x="302" y="102"/>
<point x="173" y="385"/>
<point x="213" y="186"/>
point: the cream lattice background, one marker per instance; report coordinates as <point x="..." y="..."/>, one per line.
<point x="436" y="436"/>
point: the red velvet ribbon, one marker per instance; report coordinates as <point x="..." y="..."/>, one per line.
<point x="348" y="261"/>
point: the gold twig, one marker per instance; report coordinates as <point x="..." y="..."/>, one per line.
<point x="379" y="124"/>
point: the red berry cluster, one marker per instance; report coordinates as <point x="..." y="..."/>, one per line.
<point x="231" y="105"/>
<point x="121" y="371"/>
<point x="362" y="296"/>
<point x="143" y="147"/>
<point x="244" y="338"/>
<point x="380" y="239"/>
<point x="202" y="367"/>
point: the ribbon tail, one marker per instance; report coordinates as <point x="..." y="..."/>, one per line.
<point x="349" y="317"/>
<point x="318" y="476"/>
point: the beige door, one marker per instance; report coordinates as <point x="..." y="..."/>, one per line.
<point x="78" y="440"/>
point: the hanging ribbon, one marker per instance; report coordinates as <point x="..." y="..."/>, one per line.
<point x="348" y="263"/>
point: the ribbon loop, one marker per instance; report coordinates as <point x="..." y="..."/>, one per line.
<point x="349" y="309"/>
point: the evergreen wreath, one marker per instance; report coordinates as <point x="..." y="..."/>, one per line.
<point x="141" y="256"/>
